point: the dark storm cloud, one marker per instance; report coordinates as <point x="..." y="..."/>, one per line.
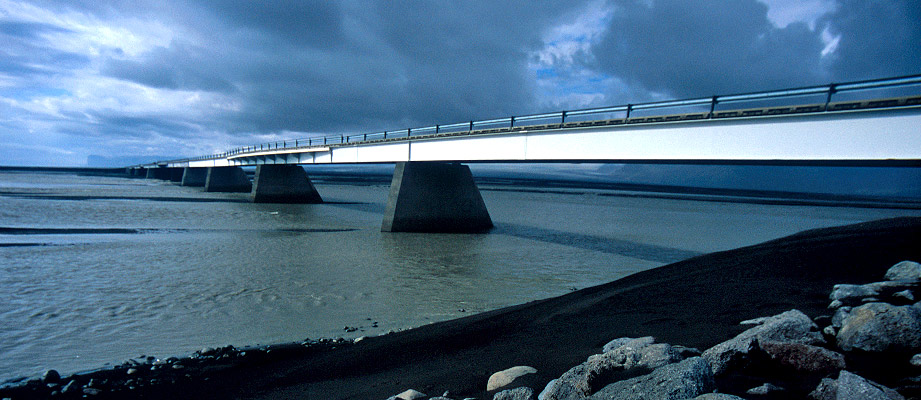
<point x="387" y="65"/>
<point x="878" y="39"/>
<point x="23" y="53"/>
<point x="691" y="49"/>
<point x="177" y="67"/>
<point x="238" y="70"/>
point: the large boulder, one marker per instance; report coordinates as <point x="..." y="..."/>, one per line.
<point x="717" y="396"/>
<point x="803" y="359"/>
<point x="851" y="295"/>
<point x="904" y="271"/>
<point x="630" y="358"/>
<point x="519" y="393"/>
<point x="506" y="377"/>
<point x="881" y="327"/>
<point x="853" y="386"/>
<point x="684" y="380"/>
<point x="789" y="327"/>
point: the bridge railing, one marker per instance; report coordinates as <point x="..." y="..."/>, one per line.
<point x="832" y="97"/>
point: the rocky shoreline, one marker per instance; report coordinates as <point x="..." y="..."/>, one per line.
<point x="865" y="342"/>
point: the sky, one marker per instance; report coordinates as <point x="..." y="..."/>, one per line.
<point x="110" y="81"/>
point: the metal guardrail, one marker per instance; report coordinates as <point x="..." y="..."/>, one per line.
<point x="700" y="108"/>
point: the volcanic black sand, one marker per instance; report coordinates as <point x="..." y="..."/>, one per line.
<point x="698" y="303"/>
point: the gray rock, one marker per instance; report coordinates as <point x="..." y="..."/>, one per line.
<point x="409" y="394"/>
<point x="830" y="331"/>
<point x="599" y="370"/>
<point x="852" y="295"/>
<point x="684" y="380"/>
<point x="519" y="393"/>
<point x="881" y="327"/>
<point x="717" y="396"/>
<point x="803" y="358"/>
<point x="916" y="360"/>
<point x="72" y="387"/>
<point x="906" y="295"/>
<point x="840" y="315"/>
<point x="826" y="390"/>
<point x="904" y="271"/>
<point x="765" y="389"/>
<point x="623" y="341"/>
<point x="504" y="378"/>
<point x="789" y="327"/>
<point x="543" y="393"/>
<point x="853" y="386"/>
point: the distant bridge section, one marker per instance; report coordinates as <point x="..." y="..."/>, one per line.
<point x="868" y="123"/>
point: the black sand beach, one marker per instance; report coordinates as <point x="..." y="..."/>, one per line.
<point x="698" y="303"/>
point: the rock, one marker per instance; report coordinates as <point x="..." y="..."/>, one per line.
<point x="543" y="393"/>
<point x="904" y="271"/>
<point x="91" y="391"/>
<point x="504" y="378"/>
<point x="72" y="387"/>
<point x="789" y="327"/>
<point x="686" y="379"/>
<point x="717" y="396"/>
<point x="409" y="394"/>
<point x="803" y="358"/>
<point x="905" y="295"/>
<point x="852" y="295"/>
<point x="765" y="390"/>
<point x="840" y="315"/>
<point x="51" y="376"/>
<point x="621" y="342"/>
<point x="829" y="331"/>
<point x="826" y="390"/>
<point x="881" y="327"/>
<point x="852" y="386"/>
<point x="519" y="393"/>
<point x="636" y="356"/>
<point x="916" y="360"/>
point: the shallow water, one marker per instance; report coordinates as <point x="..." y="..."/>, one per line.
<point x="96" y="270"/>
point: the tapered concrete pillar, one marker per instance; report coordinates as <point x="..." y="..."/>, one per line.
<point x="283" y="183"/>
<point x="435" y="197"/>
<point x="194" y="176"/>
<point x="227" y="179"/>
<point x="158" y="173"/>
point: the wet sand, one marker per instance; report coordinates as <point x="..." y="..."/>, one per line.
<point x="697" y="302"/>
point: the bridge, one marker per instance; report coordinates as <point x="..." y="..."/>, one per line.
<point x="866" y="123"/>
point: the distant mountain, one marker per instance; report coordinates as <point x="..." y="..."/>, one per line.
<point x="123" y="161"/>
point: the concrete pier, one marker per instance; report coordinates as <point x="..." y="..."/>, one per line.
<point x="158" y="173"/>
<point x="227" y="179"/>
<point x="283" y="184"/>
<point x="194" y="176"/>
<point x="435" y="197"/>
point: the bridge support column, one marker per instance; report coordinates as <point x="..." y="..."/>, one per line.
<point x="435" y="197"/>
<point x="227" y="179"/>
<point x="158" y="173"/>
<point x="283" y="183"/>
<point x="194" y="176"/>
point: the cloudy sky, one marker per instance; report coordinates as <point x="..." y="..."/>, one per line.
<point x="96" y="79"/>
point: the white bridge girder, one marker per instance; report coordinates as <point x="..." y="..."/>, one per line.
<point x="879" y="135"/>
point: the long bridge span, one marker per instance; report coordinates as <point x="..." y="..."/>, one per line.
<point x="867" y="123"/>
